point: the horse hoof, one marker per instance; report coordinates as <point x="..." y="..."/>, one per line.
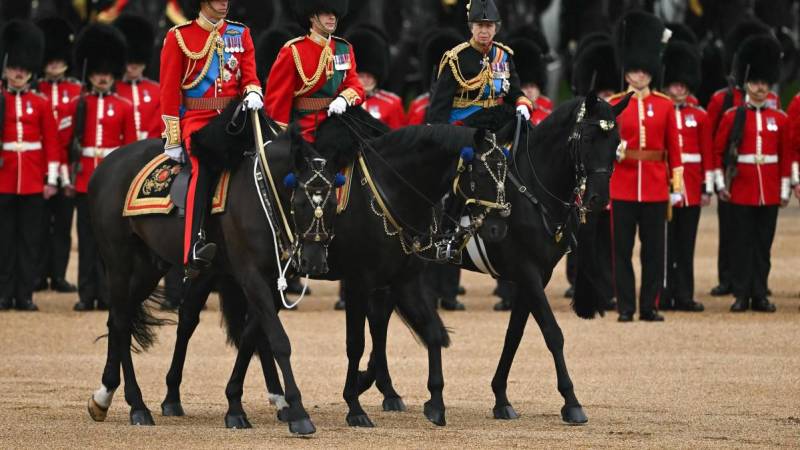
<point x="360" y="420"/>
<point x="394" y="404"/>
<point x="505" y="413"/>
<point x="97" y="412"/>
<point x="435" y="415"/>
<point x="573" y="415"/>
<point x="237" y="421"/>
<point x="142" y="417"/>
<point x="303" y="427"/>
<point x="173" y="409"/>
<point x="283" y="415"/>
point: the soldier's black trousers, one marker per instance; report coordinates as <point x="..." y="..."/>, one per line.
<point x="442" y="280"/>
<point x="680" y="251"/>
<point x="753" y="232"/>
<point x="650" y="218"/>
<point x="20" y="243"/>
<point x="57" y="240"/>
<point x="91" y="270"/>
<point x="724" y="269"/>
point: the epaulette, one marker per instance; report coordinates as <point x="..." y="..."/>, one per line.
<point x="121" y="98"/>
<point x="780" y="111"/>
<point x="732" y="108"/>
<point x="617" y="96"/>
<point x="72" y="80"/>
<point x="451" y="54"/>
<point x="181" y="25"/>
<point x="292" y="41"/>
<point x="236" y="23"/>
<point x="504" y="47"/>
<point x="38" y="94"/>
<point x="341" y="39"/>
<point x="698" y="107"/>
<point x="388" y="94"/>
<point x="661" y="94"/>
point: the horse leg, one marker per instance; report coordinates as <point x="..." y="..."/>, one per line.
<point x="188" y="319"/>
<point x="355" y="309"/>
<point x="378" y="315"/>
<point x="235" y="417"/>
<point x="572" y="411"/>
<point x="516" y="328"/>
<point x="100" y="401"/>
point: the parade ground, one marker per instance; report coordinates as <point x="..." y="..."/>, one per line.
<point x="711" y="379"/>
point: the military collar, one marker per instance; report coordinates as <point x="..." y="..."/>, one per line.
<point x="55" y="80"/>
<point x="132" y="81"/>
<point x="100" y="93"/>
<point x="479" y="48"/>
<point x="206" y="23"/>
<point x="752" y="105"/>
<point x="23" y="90"/>
<point x="318" y="39"/>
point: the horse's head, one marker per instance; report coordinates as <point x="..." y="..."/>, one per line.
<point x="313" y="184"/>
<point x="481" y="180"/>
<point x="593" y="146"/>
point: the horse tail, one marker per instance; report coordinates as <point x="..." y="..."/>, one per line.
<point x="143" y="321"/>
<point x="422" y="320"/>
<point x="233" y="305"/>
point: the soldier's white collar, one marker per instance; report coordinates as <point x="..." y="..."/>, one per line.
<point x="206" y="23"/>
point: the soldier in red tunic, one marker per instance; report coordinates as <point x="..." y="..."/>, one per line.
<point x="105" y="124"/>
<point x="753" y="145"/>
<point x="30" y="155"/>
<point x="143" y="93"/>
<point x="681" y="77"/>
<point x="372" y="53"/>
<point x="314" y="75"/>
<point x="59" y="90"/>
<point x="639" y="190"/>
<point x="205" y="64"/>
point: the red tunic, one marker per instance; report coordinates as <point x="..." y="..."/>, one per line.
<point x="544" y="103"/>
<point x="109" y="124"/>
<point x="697" y="153"/>
<point x="647" y="125"/>
<point x="539" y="112"/>
<point x="310" y="72"/>
<point x="417" y="109"/>
<point x="765" y="156"/>
<point x="30" y="144"/>
<point x="185" y="56"/>
<point x="386" y="107"/>
<point x="794" y="131"/>
<point x="145" y="96"/>
<point x="60" y="92"/>
<point x="715" y="105"/>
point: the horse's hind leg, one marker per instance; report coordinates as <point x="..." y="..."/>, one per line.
<point x="188" y="319"/>
<point x="355" y="309"/>
<point x="236" y="417"/>
<point x="516" y="328"/>
<point x="379" y="312"/>
<point x="100" y="401"/>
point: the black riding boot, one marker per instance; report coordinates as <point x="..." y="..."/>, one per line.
<point x="201" y="253"/>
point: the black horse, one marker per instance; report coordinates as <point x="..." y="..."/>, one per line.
<point x="137" y="251"/>
<point x="560" y="172"/>
<point x="388" y="219"/>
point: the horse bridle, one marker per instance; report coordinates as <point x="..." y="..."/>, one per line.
<point x="317" y="230"/>
<point x="498" y="176"/>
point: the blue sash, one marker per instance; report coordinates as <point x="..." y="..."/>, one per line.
<point x="213" y="69"/>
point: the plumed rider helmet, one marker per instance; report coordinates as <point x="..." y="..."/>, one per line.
<point x="22" y="45"/>
<point x="102" y="48"/>
<point x="482" y="11"/>
<point x="759" y="59"/>
<point x="139" y="35"/>
<point x="682" y="65"/>
<point x="304" y="9"/>
<point x="640" y="39"/>
<point x="371" y="52"/>
<point x="595" y="68"/>
<point x="529" y="62"/>
<point x="58" y="39"/>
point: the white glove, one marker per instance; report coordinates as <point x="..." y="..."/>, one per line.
<point x="175" y="154"/>
<point x="252" y="102"/>
<point x="522" y="109"/>
<point x="676" y="198"/>
<point x="337" y="106"/>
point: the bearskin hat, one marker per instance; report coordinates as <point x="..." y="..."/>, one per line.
<point x="791" y="55"/>
<point x="102" y="48"/>
<point x="191" y="8"/>
<point x="595" y="69"/>
<point x="759" y="59"/>
<point x="303" y="9"/>
<point x="139" y="35"/>
<point x="268" y="44"/>
<point x="257" y="14"/>
<point x="530" y="62"/>
<point x="371" y="52"/>
<point x="534" y="34"/>
<point x="682" y="65"/>
<point x="682" y="32"/>
<point x="591" y="39"/>
<point x="431" y="51"/>
<point x="482" y="11"/>
<point x="640" y="42"/>
<point x="15" y="9"/>
<point x="22" y="45"/>
<point x="750" y="26"/>
<point x="58" y="39"/>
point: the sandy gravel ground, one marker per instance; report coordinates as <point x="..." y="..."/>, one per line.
<point x="699" y="380"/>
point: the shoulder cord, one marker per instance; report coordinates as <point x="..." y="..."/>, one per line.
<point x="214" y="41"/>
<point x="309" y="83"/>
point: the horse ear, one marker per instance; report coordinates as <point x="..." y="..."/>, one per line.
<point x="590" y="101"/>
<point x="619" y="107"/>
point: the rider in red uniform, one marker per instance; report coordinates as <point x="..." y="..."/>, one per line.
<point x="205" y="64"/>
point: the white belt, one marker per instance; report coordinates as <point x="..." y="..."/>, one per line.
<point x="22" y="146"/>
<point x="97" y="152"/>
<point x="691" y="158"/>
<point x="758" y="159"/>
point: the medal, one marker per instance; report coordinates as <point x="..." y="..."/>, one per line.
<point x="28" y="108"/>
<point x="64" y="98"/>
<point x="110" y="112"/>
<point x="771" y="124"/>
<point x="233" y="62"/>
<point x="226" y="75"/>
<point x="691" y="122"/>
<point x="650" y="112"/>
<point x="375" y="112"/>
<point x="146" y="97"/>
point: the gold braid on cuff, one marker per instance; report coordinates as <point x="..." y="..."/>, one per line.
<point x="172" y="132"/>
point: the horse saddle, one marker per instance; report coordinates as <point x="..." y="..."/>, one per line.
<point x="161" y="185"/>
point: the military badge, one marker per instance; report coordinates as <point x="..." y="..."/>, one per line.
<point x="232" y="62"/>
<point x="28" y="108"/>
<point x="690" y="121"/>
<point x="110" y="112"/>
<point x="341" y="62"/>
<point x="146" y="96"/>
<point x="233" y="42"/>
<point x="650" y="112"/>
<point x="771" y="124"/>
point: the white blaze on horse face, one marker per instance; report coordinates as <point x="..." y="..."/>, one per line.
<point x="317" y="199"/>
<point x="278" y="400"/>
<point x="103" y="396"/>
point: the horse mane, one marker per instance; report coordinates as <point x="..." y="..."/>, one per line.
<point x="422" y="137"/>
<point x="337" y="142"/>
<point x="492" y="119"/>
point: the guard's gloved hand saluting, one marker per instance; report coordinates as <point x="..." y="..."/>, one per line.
<point x="253" y="102"/>
<point x="337" y="106"/>
<point x="523" y="110"/>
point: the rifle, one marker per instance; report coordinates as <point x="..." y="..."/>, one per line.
<point x="731" y="156"/>
<point x="79" y="126"/>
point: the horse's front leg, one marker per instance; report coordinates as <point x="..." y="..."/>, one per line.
<point x="514" y="332"/>
<point x="379" y="312"/>
<point x="356" y="313"/>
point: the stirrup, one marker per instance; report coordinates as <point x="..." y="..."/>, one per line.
<point x="450" y="252"/>
<point x="202" y="255"/>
